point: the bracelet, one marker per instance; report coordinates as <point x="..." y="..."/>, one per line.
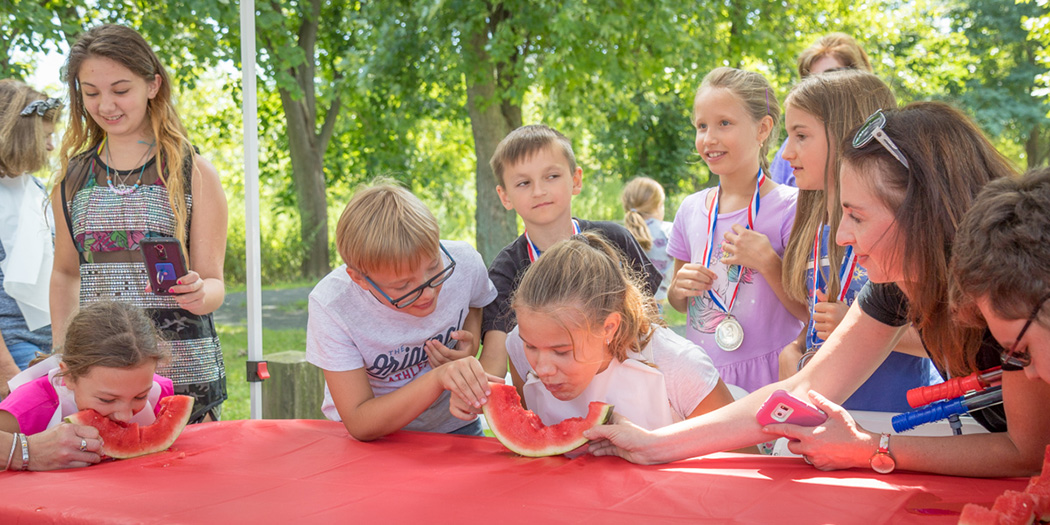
<point x="11" y="455"/>
<point x="25" y="451"/>
<point x="806" y="357"/>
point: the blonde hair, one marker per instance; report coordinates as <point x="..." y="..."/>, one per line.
<point x="584" y="279"/>
<point x="641" y="195"/>
<point x="525" y="142"/>
<point x="840" y="100"/>
<point x="840" y="46"/>
<point x="754" y="93"/>
<point x="23" y="142"/>
<point x="112" y="334"/>
<point x="127" y="48"/>
<point x="383" y="225"/>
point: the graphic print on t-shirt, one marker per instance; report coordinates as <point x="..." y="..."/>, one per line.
<point x="408" y="361"/>
<point x="703" y="314"/>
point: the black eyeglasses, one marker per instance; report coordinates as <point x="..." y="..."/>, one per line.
<point x="1013" y="358"/>
<point x="417" y="292"/>
<point x="873" y="129"/>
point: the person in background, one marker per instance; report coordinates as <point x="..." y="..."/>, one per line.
<point x="643" y="216"/>
<point x="831" y="51"/>
<point x="27" y="123"/>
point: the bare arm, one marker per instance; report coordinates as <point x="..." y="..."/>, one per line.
<point x="202" y="290"/>
<point x="8" y="368"/>
<point x="367" y="417"/>
<point x="494" y="353"/>
<point x="65" y="275"/>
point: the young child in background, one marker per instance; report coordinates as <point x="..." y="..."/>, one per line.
<point x="727" y="240"/>
<point x="27" y="120"/>
<point x="820" y="112"/>
<point x="643" y="207"/>
<point x="108" y="363"/>
<point x="398" y="324"/>
<point x="587" y="333"/>
<point x="129" y="172"/>
<point x="536" y="175"/>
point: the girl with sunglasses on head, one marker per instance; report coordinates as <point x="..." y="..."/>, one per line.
<point x="130" y="173"/>
<point x="27" y="120"/>
<point x="907" y="179"/>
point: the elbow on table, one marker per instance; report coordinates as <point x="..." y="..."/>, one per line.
<point x="361" y="433"/>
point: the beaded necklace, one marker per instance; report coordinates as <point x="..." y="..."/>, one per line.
<point x="123" y="189"/>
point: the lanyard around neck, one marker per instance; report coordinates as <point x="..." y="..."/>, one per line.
<point x="709" y="248"/>
<point x="534" y="251"/>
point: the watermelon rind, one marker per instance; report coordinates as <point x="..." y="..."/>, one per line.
<point x="122" y="441"/>
<point x="522" y="431"/>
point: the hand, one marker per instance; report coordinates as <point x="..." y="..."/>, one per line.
<point x="691" y="280"/>
<point x="747" y="248"/>
<point x="622" y="438"/>
<point x="189" y="292"/>
<point x="440" y="354"/>
<point x="465" y="410"/>
<point x="59" y="447"/>
<point x="838" y="443"/>
<point x="826" y="316"/>
<point x="467" y="379"/>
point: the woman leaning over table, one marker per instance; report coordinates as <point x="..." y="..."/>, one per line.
<point x="907" y="180"/>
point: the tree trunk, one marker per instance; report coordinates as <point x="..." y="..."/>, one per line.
<point x="309" y="180"/>
<point x="490" y="121"/>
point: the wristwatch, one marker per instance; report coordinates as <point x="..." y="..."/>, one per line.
<point x="881" y="461"/>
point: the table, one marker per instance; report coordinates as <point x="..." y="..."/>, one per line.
<point x="307" y="471"/>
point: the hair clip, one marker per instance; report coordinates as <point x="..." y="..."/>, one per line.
<point x="41" y="107"/>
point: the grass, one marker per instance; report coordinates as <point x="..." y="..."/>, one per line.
<point x="234" y="339"/>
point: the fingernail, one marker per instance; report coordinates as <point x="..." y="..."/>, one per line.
<point x="171" y="290"/>
<point x="178" y="282"/>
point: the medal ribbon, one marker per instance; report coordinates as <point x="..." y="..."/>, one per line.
<point x="849" y="263"/>
<point x="534" y="251"/>
<point x="709" y="248"/>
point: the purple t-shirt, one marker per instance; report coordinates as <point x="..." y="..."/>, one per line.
<point x="767" y="325"/>
<point x="33" y="403"/>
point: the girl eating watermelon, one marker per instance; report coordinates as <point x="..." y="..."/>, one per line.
<point x="107" y="364"/>
<point x="587" y="333"/>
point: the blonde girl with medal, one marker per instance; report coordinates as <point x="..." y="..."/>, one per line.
<point x="727" y="241"/>
<point x="819" y="113"/>
<point x="587" y="333"/>
<point x="129" y="173"/>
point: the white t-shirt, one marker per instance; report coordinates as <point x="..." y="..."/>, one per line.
<point x="689" y="374"/>
<point x="349" y="329"/>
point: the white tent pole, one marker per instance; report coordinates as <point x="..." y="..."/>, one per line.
<point x="253" y="275"/>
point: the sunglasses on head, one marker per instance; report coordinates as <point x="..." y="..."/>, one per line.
<point x="873" y="128"/>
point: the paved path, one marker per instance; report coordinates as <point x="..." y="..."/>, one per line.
<point x="281" y="310"/>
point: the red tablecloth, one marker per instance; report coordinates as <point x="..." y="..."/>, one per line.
<point x="312" y="472"/>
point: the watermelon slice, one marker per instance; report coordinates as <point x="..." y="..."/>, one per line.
<point x="1015" y="508"/>
<point x="120" y="440"/>
<point x="974" y="514"/>
<point x="523" y="432"/>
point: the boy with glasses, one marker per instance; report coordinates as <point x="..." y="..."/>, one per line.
<point x="1001" y="269"/>
<point x="396" y="329"/>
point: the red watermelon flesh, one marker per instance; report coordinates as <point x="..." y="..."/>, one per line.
<point x="1015" y="508"/>
<point x="974" y="514"/>
<point x="121" y="440"/>
<point x="1040" y="492"/>
<point x="523" y="432"/>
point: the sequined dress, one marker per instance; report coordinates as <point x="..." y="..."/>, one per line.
<point x="106" y="228"/>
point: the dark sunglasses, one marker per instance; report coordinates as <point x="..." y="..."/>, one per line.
<point x="417" y="292"/>
<point x="1013" y="358"/>
<point x="873" y="129"/>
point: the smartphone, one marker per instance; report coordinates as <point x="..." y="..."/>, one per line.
<point x="164" y="262"/>
<point x="782" y="407"/>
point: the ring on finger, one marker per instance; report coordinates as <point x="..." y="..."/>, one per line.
<point x="83" y="444"/>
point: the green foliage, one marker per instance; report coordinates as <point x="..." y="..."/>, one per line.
<point x="234" y="340"/>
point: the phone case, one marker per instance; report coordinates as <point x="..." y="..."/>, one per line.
<point x="782" y="407"/>
<point x="164" y="262"/>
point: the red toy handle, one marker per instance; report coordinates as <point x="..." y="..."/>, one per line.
<point x="954" y="388"/>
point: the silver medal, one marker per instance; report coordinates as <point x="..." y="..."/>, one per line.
<point x="729" y="334"/>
